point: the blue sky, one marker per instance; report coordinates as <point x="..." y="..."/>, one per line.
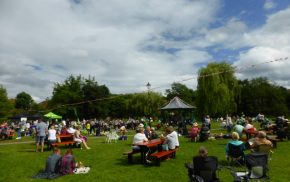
<point x="125" y="44"/>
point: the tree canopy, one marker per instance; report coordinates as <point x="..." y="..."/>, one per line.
<point x="5" y="104"/>
<point x="78" y="89"/>
<point x="182" y="91"/>
<point x="217" y="89"/>
<point x="23" y="101"/>
<point x="260" y="96"/>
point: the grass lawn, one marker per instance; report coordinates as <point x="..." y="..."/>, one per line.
<point x="18" y="162"/>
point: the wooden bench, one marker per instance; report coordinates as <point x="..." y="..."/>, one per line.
<point x="165" y="153"/>
<point x="130" y="155"/>
<point x="11" y="135"/>
<point x="64" y="140"/>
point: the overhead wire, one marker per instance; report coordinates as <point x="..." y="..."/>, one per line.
<point x="241" y="69"/>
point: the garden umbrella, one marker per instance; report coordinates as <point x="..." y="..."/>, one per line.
<point x="51" y="115"/>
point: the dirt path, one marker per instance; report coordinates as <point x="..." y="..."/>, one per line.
<point x="11" y="143"/>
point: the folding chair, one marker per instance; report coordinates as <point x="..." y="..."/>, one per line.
<point x="257" y="168"/>
<point x="267" y="149"/>
<point x="236" y="153"/>
<point x="203" y="169"/>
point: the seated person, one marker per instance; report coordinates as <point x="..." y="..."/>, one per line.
<point x="52" y="167"/>
<point x="123" y="133"/>
<point x="64" y="131"/>
<point x="236" y="142"/>
<point x="68" y="163"/>
<point x="70" y="130"/>
<point x="239" y="129"/>
<point x="51" y="135"/>
<point x="173" y="135"/>
<point x="79" y="138"/>
<point x="205" y="163"/>
<point x="169" y="140"/>
<point x="139" y="137"/>
<point x="261" y="140"/>
<point x="204" y="133"/>
<point x="148" y="132"/>
<point x="154" y="135"/>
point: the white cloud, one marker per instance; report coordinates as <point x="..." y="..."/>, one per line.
<point x="269" y="4"/>
<point x="229" y="35"/>
<point x="269" y="43"/>
<point x="123" y="44"/>
<point x="43" y="42"/>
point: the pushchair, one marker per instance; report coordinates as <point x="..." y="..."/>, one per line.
<point x="203" y="169"/>
<point x="257" y="168"/>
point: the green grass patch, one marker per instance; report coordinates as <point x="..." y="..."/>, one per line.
<point x="19" y="162"/>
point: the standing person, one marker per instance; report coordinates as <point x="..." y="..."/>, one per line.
<point x="207" y="121"/>
<point x="93" y="127"/>
<point x="18" y="129"/>
<point x="88" y="127"/>
<point x="229" y="123"/>
<point x="41" y="130"/>
<point x="194" y="132"/>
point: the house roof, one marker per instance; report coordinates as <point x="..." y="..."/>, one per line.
<point x="177" y="103"/>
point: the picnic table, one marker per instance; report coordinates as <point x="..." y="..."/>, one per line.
<point x="64" y="140"/>
<point x="7" y="134"/>
<point x="144" y="146"/>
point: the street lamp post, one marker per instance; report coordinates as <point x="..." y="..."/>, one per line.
<point x="148" y="85"/>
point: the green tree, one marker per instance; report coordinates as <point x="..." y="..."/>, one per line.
<point x="23" y="101"/>
<point x="137" y="104"/>
<point x="260" y="96"/>
<point x="217" y="89"/>
<point x="182" y="91"/>
<point x="5" y="104"/>
<point x="92" y="91"/>
<point x="83" y="95"/>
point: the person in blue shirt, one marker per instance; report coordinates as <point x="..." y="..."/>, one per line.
<point x="235" y="141"/>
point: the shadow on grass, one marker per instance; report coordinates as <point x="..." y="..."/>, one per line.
<point x="28" y="150"/>
<point x="124" y="161"/>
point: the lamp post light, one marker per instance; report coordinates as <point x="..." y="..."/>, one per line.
<point x="148" y="85"/>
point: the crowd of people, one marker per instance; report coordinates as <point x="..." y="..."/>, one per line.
<point x="236" y="127"/>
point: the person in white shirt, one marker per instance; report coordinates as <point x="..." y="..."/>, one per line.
<point x="51" y="135"/>
<point x="71" y="130"/>
<point x="173" y="137"/>
<point x="139" y="137"/>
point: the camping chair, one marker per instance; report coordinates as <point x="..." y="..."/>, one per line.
<point x="203" y="169"/>
<point x="257" y="168"/>
<point x="236" y="154"/>
<point x="264" y="148"/>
